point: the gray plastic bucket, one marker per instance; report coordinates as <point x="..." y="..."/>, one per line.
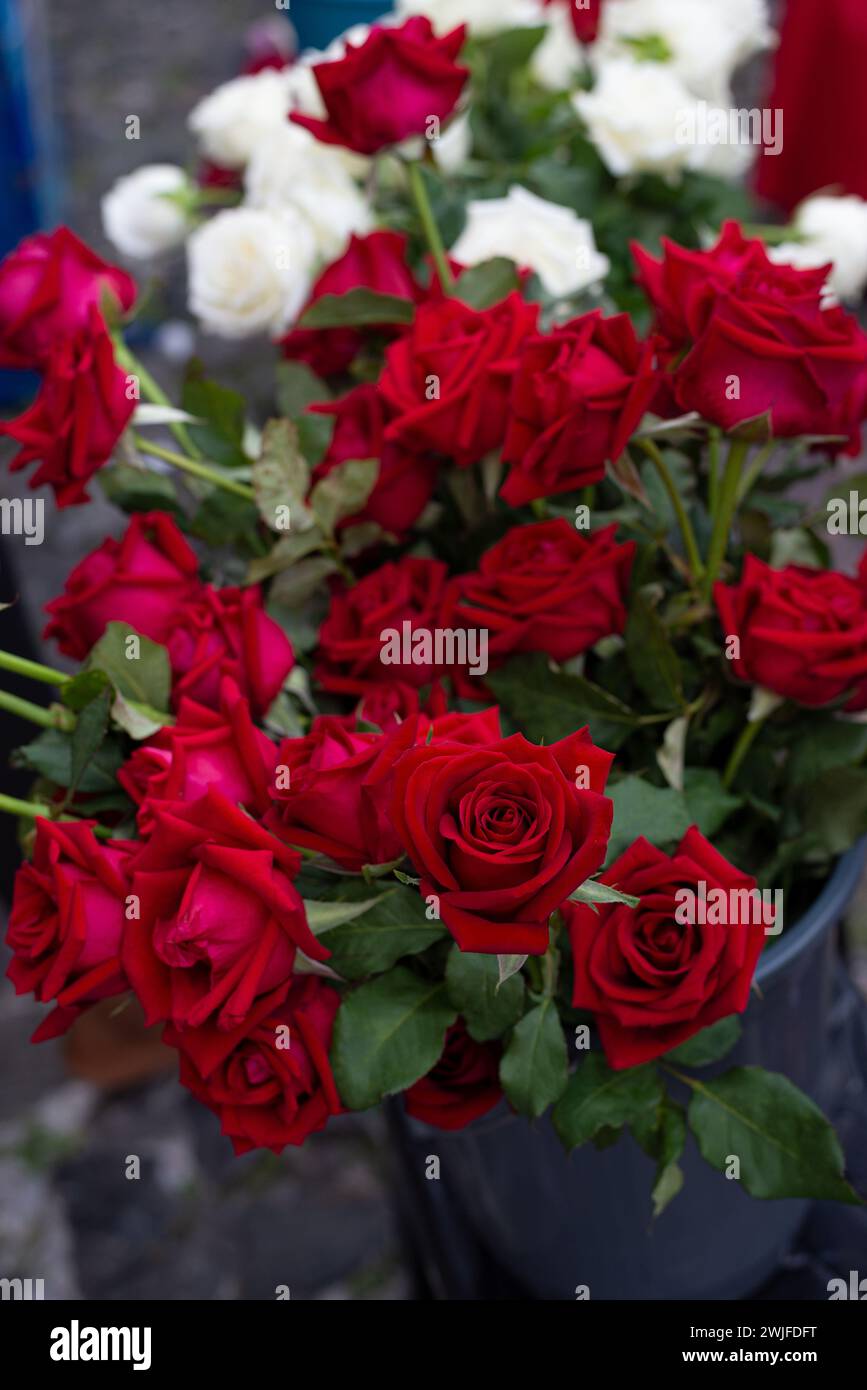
<point x="555" y="1223"/>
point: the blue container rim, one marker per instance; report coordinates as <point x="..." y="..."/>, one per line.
<point x="828" y="907"/>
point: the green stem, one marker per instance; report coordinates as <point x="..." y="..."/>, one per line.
<point x="152" y="389"/>
<point x="713" y="473"/>
<point x="429" y="226"/>
<point x="773" y="234"/>
<point x="196" y="469"/>
<point x="24" y="808"/>
<point x="754" y="472"/>
<point x="32" y="669"/>
<point x="745" y="741"/>
<point x="57" y="718"/>
<point x="725" y="511"/>
<point x="690" y="544"/>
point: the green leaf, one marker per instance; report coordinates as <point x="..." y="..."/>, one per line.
<point x="597" y="1097"/>
<point x="709" y="1045"/>
<point x="294" y="586"/>
<point x="785" y="1145"/>
<point x="509" y="50"/>
<point x="221" y="436"/>
<point x="659" y="813"/>
<point x="294" y="546"/>
<point x="138" y="489"/>
<point x="359" y="308"/>
<point x="144" y="679"/>
<point x="487" y="283"/>
<point x="825" y="744"/>
<point x="223" y="519"/>
<point x="388" y="1033"/>
<point x="836" y="808"/>
<point x="670" y="1142"/>
<point x="297" y="387"/>
<point x="343" y="492"/>
<point x="550" y="705"/>
<point x="314" y="436"/>
<point x="51" y="756"/>
<point x="91" y="727"/>
<point x="534" y="1068"/>
<point x="708" y="803"/>
<point x="651" y="657"/>
<point x="594" y="892"/>
<point x="394" y="925"/>
<point x="83" y="688"/>
<point x="323" y="917"/>
<point x="488" y="1007"/>
<point x="281" y="478"/>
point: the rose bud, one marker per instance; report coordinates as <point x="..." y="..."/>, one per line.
<point x="464" y="1084"/>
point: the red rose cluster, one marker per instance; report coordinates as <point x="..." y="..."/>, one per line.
<point x="52" y="292"/>
<point x="743" y="336"/>
<point x="150" y="579"/>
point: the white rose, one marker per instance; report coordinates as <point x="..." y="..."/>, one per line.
<point x="290" y="169"/>
<point x="552" y="240"/>
<point x="250" y="270"/>
<point x="482" y="16"/>
<point x="837" y="227"/>
<point x="559" y="58"/>
<point x="634" y="115"/>
<point x="452" y="150"/>
<point x="835" y="232"/>
<point x="702" y="41"/>
<point x="137" y="216"/>
<point x="230" y="123"/>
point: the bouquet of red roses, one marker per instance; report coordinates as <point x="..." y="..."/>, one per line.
<point x="446" y="736"/>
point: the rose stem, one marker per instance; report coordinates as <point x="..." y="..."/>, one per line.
<point x="57" y="718"/>
<point x="725" y="511"/>
<point x="198" y="470"/>
<point x="31" y="809"/>
<point x="431" y="231"/>
<point x="740" y="750"/>
<point x="683" y="521"/>
<point x="153" y="390"/>
<point x="34" y="669"/>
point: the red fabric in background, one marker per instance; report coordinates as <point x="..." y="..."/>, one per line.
<point x="820" y="83"/>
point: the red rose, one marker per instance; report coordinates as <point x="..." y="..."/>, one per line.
<point x="802" y="633"/>
<point x="768" y="345"/>
<point x="682" y="285"/>
<point x="389" y="87"/>
<point x="586" y="16"/>
<point x="78" y="416"/>
<point x="354" y="636"/>
<point x="338" y="793"/>
<point x="374" y="262"/>
<point x="147" y="578"/>
<point x="48" y="287"/>
<point x="226" y="632"/>
<point x="267" y="1095"/>
<point x="406" y="479"/>
<point x="501" y="834"/>
<point x="448" y="380"/>
<point x="546" y="588"/>
<point x="651" y="978"/>
<point x="220" y="917"/>
<point x="203" y="748"/>
<point x="464" y="1084"/>
<point x="578" y="395"/>
<point x="388" y="705"/>
<point x="67" y="921"/>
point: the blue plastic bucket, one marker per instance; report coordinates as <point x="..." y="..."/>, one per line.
<point x="554" y="1223"/>
<point x="320" y="21"/>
